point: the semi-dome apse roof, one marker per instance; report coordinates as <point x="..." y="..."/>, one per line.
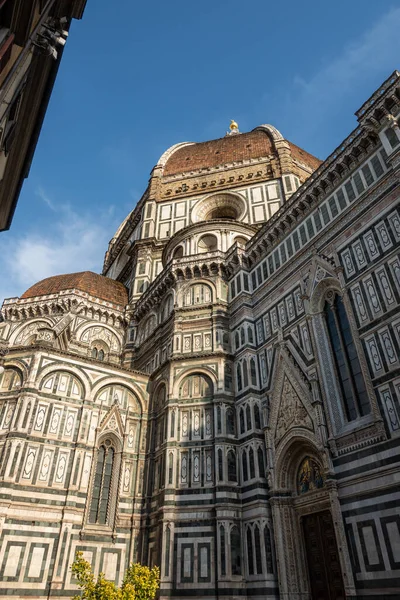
<point x="96" y="285"/>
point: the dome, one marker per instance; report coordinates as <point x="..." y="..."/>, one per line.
<point x="96" y="285"/>
<point x="231" y="148"/>
<point x="255" y="144"/>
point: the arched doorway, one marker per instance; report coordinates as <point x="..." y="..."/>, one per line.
<point x="319" y="537"/>
<point x="312" y="555"/>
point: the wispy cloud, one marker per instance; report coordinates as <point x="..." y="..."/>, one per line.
<point x="313" y="101"/>
<point x="71" y="241"/>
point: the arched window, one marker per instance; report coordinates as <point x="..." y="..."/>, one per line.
<point x="250" y="335"/>
<point x="11" y="380"/>
<point x="198" y="294"/>
<point x="102" y="484"/>
<point x="220" y="466"/>
<point x="230" y="421"/>
<point x="257" y="545"/>
<point x="261" y="466"/>
<point x="222" y="549"/>
<point x="257" y="417"/>
<point x="196" y="386"/>
<point x="348" y="367"/>
<point x="242" y="336"/>
<point x="94" y="352"/>
<point x="237" y="340"/>
<point x="253" y="372"/>
<point x="235" y="551"/>
<point x="168" y="307"/>
<point x="207" y="243"/>
<point x="241" y="419"/>
<point x="62" y="384"/>
<point x="100" y="355"/>
<point x="268" y="550"/>
<point x="252" y="465"/>
<point x="170" y="468"/>
<point x="248" y="418"/>
<point x="231" y="459"/>
<point x="250" y="555"/>
<point x="173" y="424"/>
<point x="239" y="377"/>
<point x="245" y="374"/>
<point x="219" y="420"/>
<point x="245" y="472"/>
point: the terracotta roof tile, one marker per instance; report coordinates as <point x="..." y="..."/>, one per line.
<point x="96" y="285"/>
<point x="305" y="157"/>
<point x="242" y="146"/>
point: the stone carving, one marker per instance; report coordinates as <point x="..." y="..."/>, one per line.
<point x="292" y="412"/>
<point x="93" y="334"/>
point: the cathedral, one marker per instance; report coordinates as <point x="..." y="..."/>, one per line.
<point x="224" y="400"/>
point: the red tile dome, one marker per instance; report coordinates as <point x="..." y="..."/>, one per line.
<point x="96" y="285"/>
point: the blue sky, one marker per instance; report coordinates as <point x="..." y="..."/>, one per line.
<point x="137" y="77"/>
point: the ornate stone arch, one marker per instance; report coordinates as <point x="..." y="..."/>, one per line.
<point x="83" y="329"/>
<point x="131" y="386"/>
<point x="17" y="365"/>
<point x="234" y="203"/>
<point x="186" y="287"/>
<point x="194" y="370"/>
<point x="290" y="454"/>
<point x="317" y="298"/>
<point x="32" y="325"/>
<point x="71" y="369"/>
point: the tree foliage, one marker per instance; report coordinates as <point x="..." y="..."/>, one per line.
<point x="140" y="582"/>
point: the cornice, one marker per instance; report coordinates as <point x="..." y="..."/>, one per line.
<point x="338" y="166"/>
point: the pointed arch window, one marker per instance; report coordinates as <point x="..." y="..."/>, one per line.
<point x="268" y="550"/>
<point x="220" y="466"/>
<point x="350" y="377"/>
<point x="257" y="546"/>
<point x="250" y="335"/>
<point x="94" y="352"/>
<point x="26" y="416"/>
<point x="237" y="340"/>
<point x="101" y="494"/>
<point x="219" y="420"/>
<point x="231" y="459"/>
<point x="239" y="377"/>
<point x="236" y="564"/>
<point x="250" y="554"/>
<point x="248" y="417"/>
<point x="170" y="468"/>
<point x="253" y="372"/>
<point x="230" y="421"/>
<point x="173" y="424"/>
<point x="257" y="417"/>
<point x="167" y="550"/>
<point x="100" y="355"/>
<point x="245" y="471"/>
<point x="245" y="374"/>
<point x="242" y="336"/>
<point x="261" y="466"/>
<point x="252" y="464"/>
<point x="15" y="460"/>
<point x="241" y="419"/>
<point x="222" y="549"/>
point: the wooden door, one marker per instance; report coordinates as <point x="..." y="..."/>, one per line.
<point x="325" y="574"/>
